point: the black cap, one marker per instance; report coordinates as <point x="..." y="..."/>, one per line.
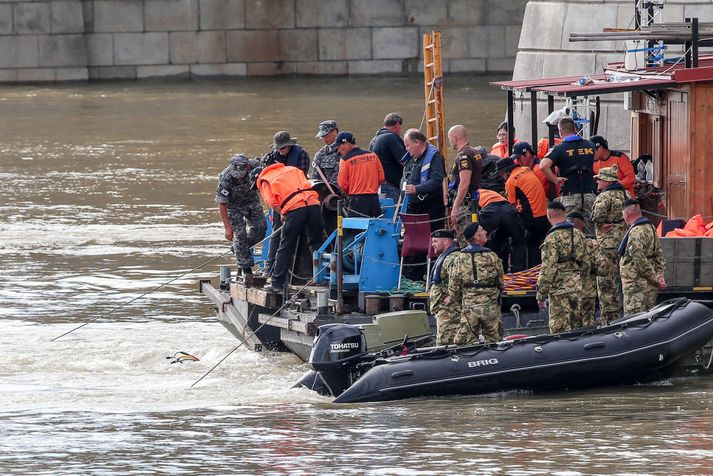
<point x="344" y="137"/>
<point x="629" y="202"/>
<point x="520" y="147"/>
<point x="555" y="205"/>
<point x="470" y="230"/>
<point x="443" y="233"/>
<point x="599" y="141"/>
<point x="505" y="165"/>
<point x="575" y="215"/>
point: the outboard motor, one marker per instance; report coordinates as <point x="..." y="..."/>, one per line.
<point x="337" y="349"/>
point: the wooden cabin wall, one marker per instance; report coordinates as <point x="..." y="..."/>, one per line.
<point x="676" y="162"/>
<point x="701" y="146"/>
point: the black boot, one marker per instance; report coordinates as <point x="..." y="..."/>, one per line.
<point x="247" y="271"/>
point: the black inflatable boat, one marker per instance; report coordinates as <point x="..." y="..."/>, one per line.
<point x="643" y="348"/>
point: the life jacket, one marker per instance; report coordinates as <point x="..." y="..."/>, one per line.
<point x="624" y="243"/>
<point x="565" y="225"/>
<point x="425" y="163"/>
<point x="436" y="276"/>
<point x="472" y="250"/>
<point x="285" y="188"/>
<point x="486" y="197"/>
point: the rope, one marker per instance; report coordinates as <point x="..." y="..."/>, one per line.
<point x="142" y="295"/>
<point x="256" y="330"/>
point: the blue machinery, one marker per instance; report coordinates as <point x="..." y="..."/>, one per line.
<point x="370" y="254"/>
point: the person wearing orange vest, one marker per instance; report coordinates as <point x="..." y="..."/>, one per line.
<point x="500" y="148"/>
<point x="501" y="221"/>
<point x="286" y="190"/>
<point x="360" y="174"/>
<point x="603" y="157"/>
<point x="543" y="145"/>
<point x="525" y="192"/>
<point x="526" y="156"/>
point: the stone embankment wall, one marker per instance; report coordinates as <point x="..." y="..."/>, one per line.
<point x="58" y="40"/>
<point x="545" y="50"/>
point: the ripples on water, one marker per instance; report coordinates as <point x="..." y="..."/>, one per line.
<point x="108" y="192"/>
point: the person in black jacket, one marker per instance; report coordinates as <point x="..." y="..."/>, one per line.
<point x="387" y="144"/>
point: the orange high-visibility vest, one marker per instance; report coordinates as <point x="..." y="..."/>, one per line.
<point x="285" y="188"/>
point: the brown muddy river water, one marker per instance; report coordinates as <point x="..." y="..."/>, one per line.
<point x="107" y="192"/>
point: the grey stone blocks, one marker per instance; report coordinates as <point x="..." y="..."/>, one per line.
<point x="171" y="15"/>
<point x="222" y="14"/>
<point x="141" y="48"/>
<point x="401" y="42"/>
<point x="189" y="47"/>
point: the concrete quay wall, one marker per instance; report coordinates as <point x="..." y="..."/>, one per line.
<point x="60" y="40"/>
<point x="544" y="50"/>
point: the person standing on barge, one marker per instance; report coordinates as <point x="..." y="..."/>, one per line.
<point x="641" y="261"/>
<point x="477" y="274"/>
<point x="286" y="190"/>
<point x="388" y="145"/>
<point x="610" y="229"/>
<point x="284" y="151"/>
<point x="240" y="211"/>
<point x="326" y="158"/>
<point x="574" y="157"/>
<point x="360" y="174"/>
<point x="564" y="256"/>
<point x="446" y="307"/>
<point x="464" y="182"/>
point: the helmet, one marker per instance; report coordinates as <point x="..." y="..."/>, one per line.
<point x="254" y="174"/>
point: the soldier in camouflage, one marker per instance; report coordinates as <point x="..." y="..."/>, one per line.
<point x="589" y="276"/>
<point x="477" y="274"/>
<point x="326" y="158"/>
<point x="610" y="229"/>
<point x="240" y="210"/>
<point x="564" y="260"/>
<point x="641" y="262"/>
<point x="446" y="308"/>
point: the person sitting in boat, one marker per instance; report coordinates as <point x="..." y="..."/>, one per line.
<point x="286" y="190"/>
<point x="564" y="259"/>
<point x="477" y="277"/>
<point x="240" y="211"/>
<point x="444" y="306"/>
<point x="500" y="148"/>
<point x="360" y="174"/>
<point x="642" y="262"/>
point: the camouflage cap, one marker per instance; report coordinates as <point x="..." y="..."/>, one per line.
<point x="240" y="165"/>
<point x="325" y="127"/>
<point x="608" y="174"/>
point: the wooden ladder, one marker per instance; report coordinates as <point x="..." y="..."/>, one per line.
<point x="433" y="82"/>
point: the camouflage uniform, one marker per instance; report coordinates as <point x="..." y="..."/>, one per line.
<point x="607" y="210"/>
<point x="447" y="316"/>
<point x="243" y="208"/>
<point x="477" y="273"/>
<point x="326" y="159"/>
<point x="641" y="262"/>
<point x="589" y="285"/>
<point x="564" y="256"/>
<point x="581" y="203"/>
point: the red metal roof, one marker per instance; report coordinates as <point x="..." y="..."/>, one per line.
<point x="661" y="77"/>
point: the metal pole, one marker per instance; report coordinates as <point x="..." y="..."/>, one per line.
<point x="511" y="129"/>
<point x="550" y="130"/>
<point x="340" y="244"/>
<point x="694" y="41"/>
<point x="533" y="118"/>
<point x="688" y="47"/>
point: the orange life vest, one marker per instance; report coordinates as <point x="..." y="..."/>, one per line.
<point x="285" y="188"/>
